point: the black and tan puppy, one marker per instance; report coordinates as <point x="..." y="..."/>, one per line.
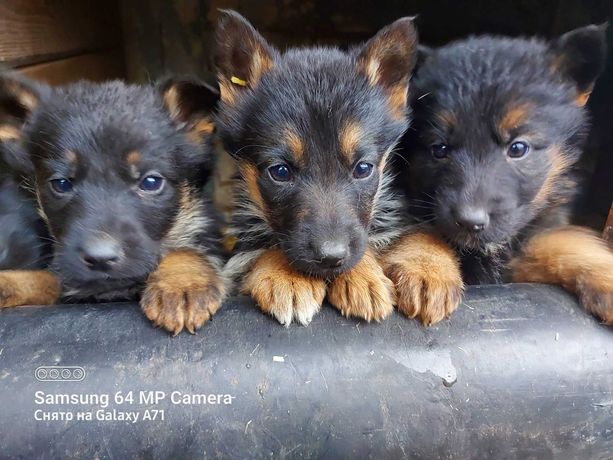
<point x="312" y="130"/>
<point x="118" y="173"/>
<point x="23" y="238"/>
<point x="499" y="124"/>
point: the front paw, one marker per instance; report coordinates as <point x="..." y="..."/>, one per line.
<point x="282" y="292"/>
<point x="597" y="299"/>
<point x="427" y="278"/>
<point x="184" y="292"/>
<point x="24" y="287"/>
<point x="363" y="292"/>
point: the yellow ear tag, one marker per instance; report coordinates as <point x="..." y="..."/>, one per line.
<point x="238" y="81"/>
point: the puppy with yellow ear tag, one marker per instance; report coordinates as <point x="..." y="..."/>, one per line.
<point x="312" y="130"/>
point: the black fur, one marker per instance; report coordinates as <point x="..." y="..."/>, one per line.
<point x="84" y="133"/>
<point x="462" y="92"/>
<point x="314" y="92"/>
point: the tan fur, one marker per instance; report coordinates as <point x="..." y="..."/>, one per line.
<point x="250" y="174"/>
<point x="183" y="292"/>
<point x="447" y="119"/>
<point x="9" y="133"/>
<point x="172" y="101"/>
<point x="28" y="287"/>
<point x="560" y="163"/>
<point x="227" y="91"/>
<point x="295" y="145"/>
<point x="133" y="158"/>
<point x="427" y="276"/>
<point x="349" y="139"/>
<point x="201" y="128"/>
<point x="189" y="221"/>
<point x="371" y="60"/>
<point x="24" y="96"/>
<point x="281" y="291"/>
<point x="364" y="291"/>
<point x="582" y="98"/>
<point x="514" y="117"/>
<point x="398" y="100"/>
<point x="261" y="62"/>
<point x="574" y="258"/>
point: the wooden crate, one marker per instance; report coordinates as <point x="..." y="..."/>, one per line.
<point x="62" y="40"/>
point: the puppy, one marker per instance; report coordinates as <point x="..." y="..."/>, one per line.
<point x="312" y="130"/>
<point x="117" y="174"/>
<point x="23" y="240"/>
<point x="499" y="124"/>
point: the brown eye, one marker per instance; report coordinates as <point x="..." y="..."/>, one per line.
<point x="518" y="150"/>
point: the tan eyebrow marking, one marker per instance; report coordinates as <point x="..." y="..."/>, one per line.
<point x="349" y="139"/>
<point x="295" y="144"/>
<point x="71" y="157"/>
<point x="9" y="133"/>
<point x="132" y="159"/>
<point x="514" y="117"/>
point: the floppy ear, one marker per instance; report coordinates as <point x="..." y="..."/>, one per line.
<point x="388" y="59"/>
<point x="191" y="105"/>
<point x="19" y="99"/>
<point x="242" y="55"/>
<point x="580" y="56"/>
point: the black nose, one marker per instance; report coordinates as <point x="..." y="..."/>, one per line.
<point x="101" y="254"/>
<point x="471" y="218"/>
<point x="331" y="254"/>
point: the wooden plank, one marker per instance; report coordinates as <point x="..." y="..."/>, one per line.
<point x="94" y="66"/>
<point x="33" y="31"/>
<point x="607" y="234"/>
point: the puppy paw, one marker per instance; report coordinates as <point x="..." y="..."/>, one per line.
<point x="281" y="291"/>
<point x="28" y="287"/>
<point x="364" y="291"/>
<point x="184" y="292"/>
<point x="597" y="299"/>
<point x="427" y="277"/>
<point x="574" y="258"/>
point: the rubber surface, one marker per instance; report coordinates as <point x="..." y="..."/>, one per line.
<point x="518" y="371"/>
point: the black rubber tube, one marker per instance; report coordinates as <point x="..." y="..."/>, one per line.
<point x="518" y="371"/>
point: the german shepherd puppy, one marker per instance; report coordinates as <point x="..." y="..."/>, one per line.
<point x="499" y="124"/>
<point x="312" y="130"/>
<point x="117" y="173"/>
<point x="24" y="242"/>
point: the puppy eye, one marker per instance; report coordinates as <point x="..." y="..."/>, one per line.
<point x="362" y="170"/>
<point x="151" y="183"/>
<point x="518" y="149"/>
<point x="280" y="173"/>
<point x="439" y="151"/>
<point x="61" y="185"/>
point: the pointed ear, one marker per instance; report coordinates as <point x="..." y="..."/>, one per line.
<point x="19" y="99"/>
<point x="580" y="56"/>
<point x="388" y="59"/>
<point x="191" y="105"/>
<point x="242" y="55"/>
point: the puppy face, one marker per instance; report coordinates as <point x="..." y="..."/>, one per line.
<point x="311" y="130"/>
<point x="498" y="125"/>
<point x="111" y="163"/>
